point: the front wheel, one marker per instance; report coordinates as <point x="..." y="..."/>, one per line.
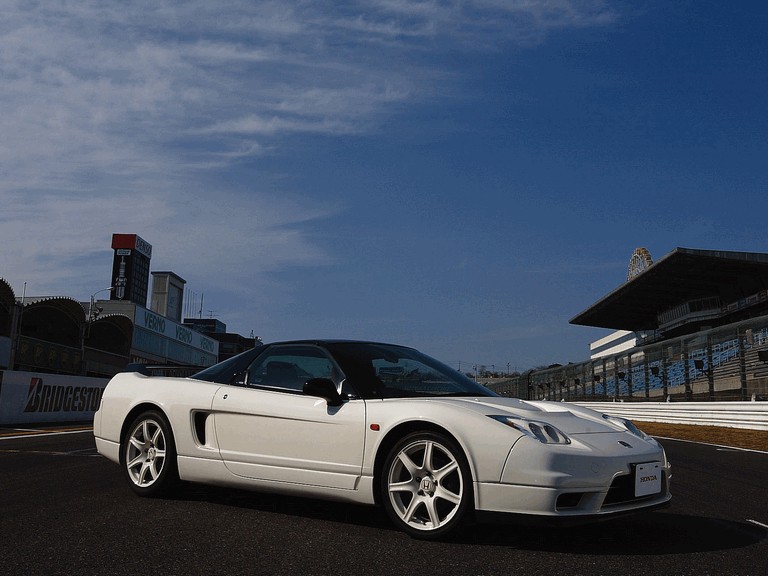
<point x="149" y="455"/>
<point x="427" y="486"/>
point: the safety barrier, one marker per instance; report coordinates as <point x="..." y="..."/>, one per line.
<point x="726" y="363"/>
<point x="748" y="415"/>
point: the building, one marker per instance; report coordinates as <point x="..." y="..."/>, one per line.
<point x="60" y="335"/>
<point x="160" y="340"/>
<point x="684" y="292"/>
<point x="167" y="294"/>
<point x="693" y="325"/>
<point x="614" y="343"/>
<point x="229" y="344"/>
<point x="130" y="268"/>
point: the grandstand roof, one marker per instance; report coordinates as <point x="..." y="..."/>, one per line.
<point x="7" y="297"/>
<point x="64" y="304"/>
<point x="681" y="276"/>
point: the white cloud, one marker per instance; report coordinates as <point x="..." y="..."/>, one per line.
<point x="112" y="110"/>
<point x="94" y="80"/>
<point x="60" y="244"/>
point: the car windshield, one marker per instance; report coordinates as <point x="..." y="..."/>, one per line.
<point x="227" y="371"/>
<point x="388" y="371"/>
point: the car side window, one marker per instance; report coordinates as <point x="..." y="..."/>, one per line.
<point x="410" y="376"/>
<point x="289" y="367"/>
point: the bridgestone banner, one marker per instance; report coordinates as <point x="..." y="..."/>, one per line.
<point x="29" y="397"/>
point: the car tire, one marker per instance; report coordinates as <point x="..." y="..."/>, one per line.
<point x="148" y="455"/>
<point x="426" y="486"/>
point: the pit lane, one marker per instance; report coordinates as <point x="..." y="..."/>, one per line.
<point x="67" y="510"/>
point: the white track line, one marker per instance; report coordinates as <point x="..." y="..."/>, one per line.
<point x="39" y="434"/>
<point x="719" y="446"/>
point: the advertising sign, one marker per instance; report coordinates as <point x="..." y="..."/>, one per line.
<point x="130" y="268"/>
<point x="30" y="397"/>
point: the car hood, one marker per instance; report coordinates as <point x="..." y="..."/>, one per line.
<point x="567" y="417"/>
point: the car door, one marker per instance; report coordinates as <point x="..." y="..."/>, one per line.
<point x="269" y="430"/>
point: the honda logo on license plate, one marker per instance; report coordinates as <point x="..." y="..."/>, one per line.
<point x="647" y="479"/>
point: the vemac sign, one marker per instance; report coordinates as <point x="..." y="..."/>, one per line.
<point x="174" y="331"/>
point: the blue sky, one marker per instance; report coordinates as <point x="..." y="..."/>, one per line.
<point x="463" y="177"/>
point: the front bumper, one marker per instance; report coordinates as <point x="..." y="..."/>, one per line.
<point x="616" y="498"/>
<point x="593" y="476"/>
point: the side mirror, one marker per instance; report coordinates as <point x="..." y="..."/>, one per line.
<point x="324" y="388"/>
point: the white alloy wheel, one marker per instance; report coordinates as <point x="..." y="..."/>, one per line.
<point x="149" y="456"/>
<point x="427" y="486"/>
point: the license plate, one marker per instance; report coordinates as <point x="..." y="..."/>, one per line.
<point x="647" y="479"/>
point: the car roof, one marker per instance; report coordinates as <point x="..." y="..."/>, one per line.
<point x="321" y="341"/>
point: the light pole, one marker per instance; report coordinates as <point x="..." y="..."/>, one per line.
<point x="91" y="315"/>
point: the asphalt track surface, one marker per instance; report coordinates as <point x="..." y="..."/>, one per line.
<point x="66" y="510"/>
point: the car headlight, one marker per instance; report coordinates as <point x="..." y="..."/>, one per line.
<point x="630" y="427"/>
<point x="541" y="431"/>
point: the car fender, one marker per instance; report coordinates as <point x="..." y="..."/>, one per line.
<point x="179" y="399"/>
<point x="485" y="443"/>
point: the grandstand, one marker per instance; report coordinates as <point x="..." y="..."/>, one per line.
<point x="699" y="321"/>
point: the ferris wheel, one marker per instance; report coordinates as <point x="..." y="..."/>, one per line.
<point x="640" y="261"/>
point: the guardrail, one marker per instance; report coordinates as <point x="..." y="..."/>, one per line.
<point x="747" y="415"/>
<point x="726" y="363"/>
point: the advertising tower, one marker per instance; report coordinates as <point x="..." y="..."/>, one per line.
<point x="130" y="268"/>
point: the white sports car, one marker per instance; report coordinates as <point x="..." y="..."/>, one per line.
<point x="376" y="424"/>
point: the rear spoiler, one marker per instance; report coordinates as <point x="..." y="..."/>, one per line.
<point x="138" y="368"/>
<point x="173" y="370"/>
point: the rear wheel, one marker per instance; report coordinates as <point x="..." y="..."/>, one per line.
<point x="427" y="485"/>
<point x="149" y="455"/>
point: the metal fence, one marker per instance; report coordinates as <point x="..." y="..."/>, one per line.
<point x="720" y="364"/>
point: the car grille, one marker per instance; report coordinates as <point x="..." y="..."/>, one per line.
<point x="622" y="491"/>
